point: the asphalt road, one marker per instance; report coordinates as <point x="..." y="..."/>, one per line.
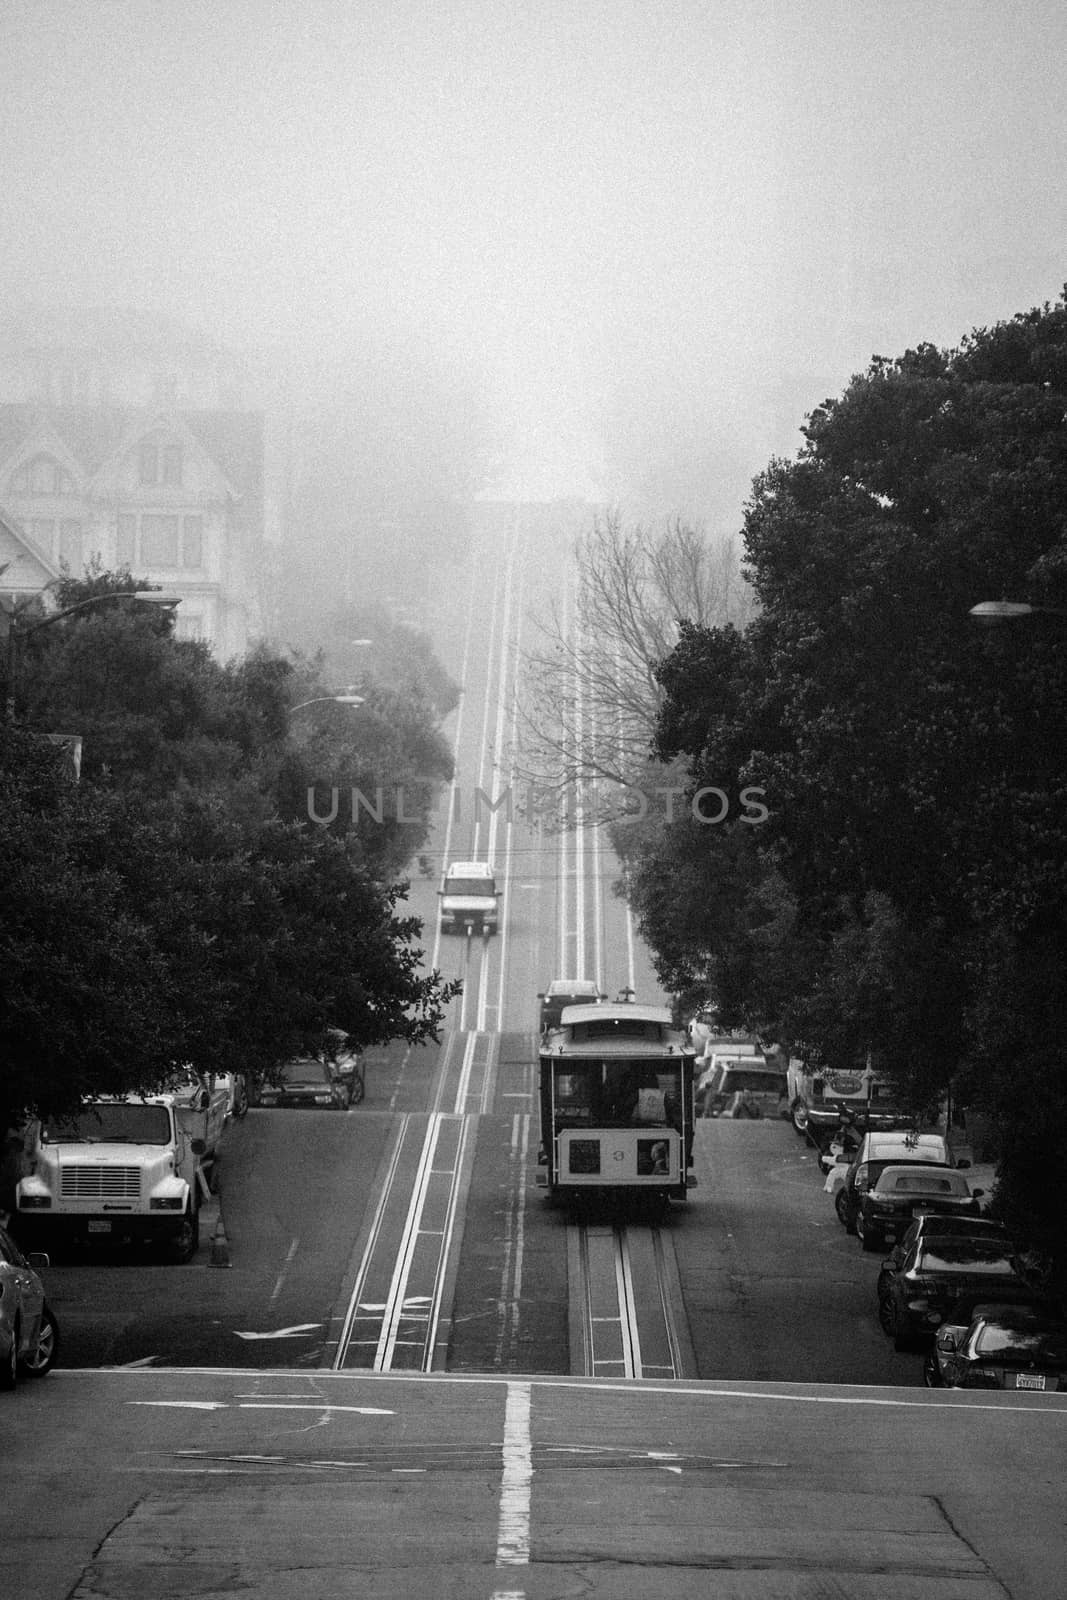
<point x="311" y="1486"/>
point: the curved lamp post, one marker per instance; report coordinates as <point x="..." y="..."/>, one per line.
<point x="16" y="633"/>
<point x="330" y="699"/>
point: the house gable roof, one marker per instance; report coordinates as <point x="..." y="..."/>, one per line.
<point x="94" y="435"/>
<point x="26" y="568"/>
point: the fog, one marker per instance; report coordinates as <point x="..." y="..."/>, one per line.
<point x="613" y="249"/>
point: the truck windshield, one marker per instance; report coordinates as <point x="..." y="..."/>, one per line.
<point x="121" y="1123"/>
<point x="480" y="888"/>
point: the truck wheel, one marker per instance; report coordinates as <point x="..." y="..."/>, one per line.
<point x="187" y="1241"/>
<point x="240" y="1097"/>
<point x="798" y="1116"/>
<point x="41" y="1360"/>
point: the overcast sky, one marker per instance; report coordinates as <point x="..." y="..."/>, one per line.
<point x="655" y="232"/>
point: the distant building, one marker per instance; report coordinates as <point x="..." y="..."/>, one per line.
<point x="122" y="439"/>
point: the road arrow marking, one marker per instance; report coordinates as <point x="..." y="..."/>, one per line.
<point x="184" y="1405"/>
<point x="267" y="1405"/>
<point x="281" y="1333"/>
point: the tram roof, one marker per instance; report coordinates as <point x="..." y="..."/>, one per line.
<point x="621" y="1029"/>
<point x="622" y="1010"/>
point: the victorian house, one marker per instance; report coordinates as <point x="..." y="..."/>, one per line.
<point x="120" y="442"/>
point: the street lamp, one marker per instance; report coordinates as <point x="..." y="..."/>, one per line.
<point x="16" y="633"/>
<point x="993" y="611"/>
<point x="330" y="699"/>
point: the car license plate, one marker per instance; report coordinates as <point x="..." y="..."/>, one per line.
<point x="99" y="1227"/>
<point x="1029" y="1380"/>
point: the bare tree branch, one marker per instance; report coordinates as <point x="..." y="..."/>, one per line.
<point x="591" y="697"/>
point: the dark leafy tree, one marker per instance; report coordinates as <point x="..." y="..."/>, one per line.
<point x="915" y="767"/>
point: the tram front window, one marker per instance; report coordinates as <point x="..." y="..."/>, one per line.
<point x="619" y="1094"/>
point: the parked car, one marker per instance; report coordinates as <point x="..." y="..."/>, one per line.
<point x="929" y="1225"/>
<point x="979" y="1303"/>
<point x="933" y="1276"/>
<point x="563" y="992"/>
<point x="1007" y="1347"/>
<point x="876" y="1152"/>
<point x="29" y="1335"/>
<point x="310" y="1081"/>
<point x="886" y="1207"/>
<point x="741" y="1086"/>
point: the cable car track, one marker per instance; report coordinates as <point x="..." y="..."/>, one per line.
<point x="623" y="1291"/>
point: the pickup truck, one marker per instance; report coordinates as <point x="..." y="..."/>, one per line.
<point x="132" y="1168"/>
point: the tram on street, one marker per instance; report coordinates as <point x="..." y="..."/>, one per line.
<point x="616" y="1103"/>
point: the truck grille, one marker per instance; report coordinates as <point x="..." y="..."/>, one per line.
<point x="100" y="1183"/>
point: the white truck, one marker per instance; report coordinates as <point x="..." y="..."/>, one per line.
<point x="134" y="1168"/>
<point x="820" y="1096"/>
<point x="468" y="898"/>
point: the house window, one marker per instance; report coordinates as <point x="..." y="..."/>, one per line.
<point x="125" y="544"/>
<point x="70" y="545"/>
<point x="160" y="460"/>
<point x="192" y="541"/>
<point x="159" y="541"/>
<point x="43" y="475"/>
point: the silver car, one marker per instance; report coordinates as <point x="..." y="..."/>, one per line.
<point x="29" y="1337"/>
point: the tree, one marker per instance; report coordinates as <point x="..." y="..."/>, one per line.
<point x="165" y="912"/>
<point x="594" y="695"/>
<point x="914" y="767"/>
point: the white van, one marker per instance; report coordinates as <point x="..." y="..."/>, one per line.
<point x="468" y="898"/>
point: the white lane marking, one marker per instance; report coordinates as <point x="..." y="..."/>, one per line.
<point x="372" y="1240"/>
<point x="454" y="790"/>
<point x="446" y="1248"/>
<point x="509" y="826"/>
<point x="513" y="1528"/>
<point x="501" y="689"/>
<point x="145" y="1361"/>
<point x="286" y="1264"/>
<point x="388" y="1338"/>
<point x="490" y="661"/>
<point x="318" y="1405"/>
<point x="281" y="1333"/>
<point x="463" y="1086"/>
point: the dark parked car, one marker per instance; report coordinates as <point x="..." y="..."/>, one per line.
<point x="309" y="1082"/>
<point x="962" y="1312"/>
<point x="926" y="1226"/>
<point x="885" y="1209"/>
<point x="1006" y="1347"/>
<point x="29" y="1337"/>
<point x="933" y="1275"/>
<point x="878" y="1151"/>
